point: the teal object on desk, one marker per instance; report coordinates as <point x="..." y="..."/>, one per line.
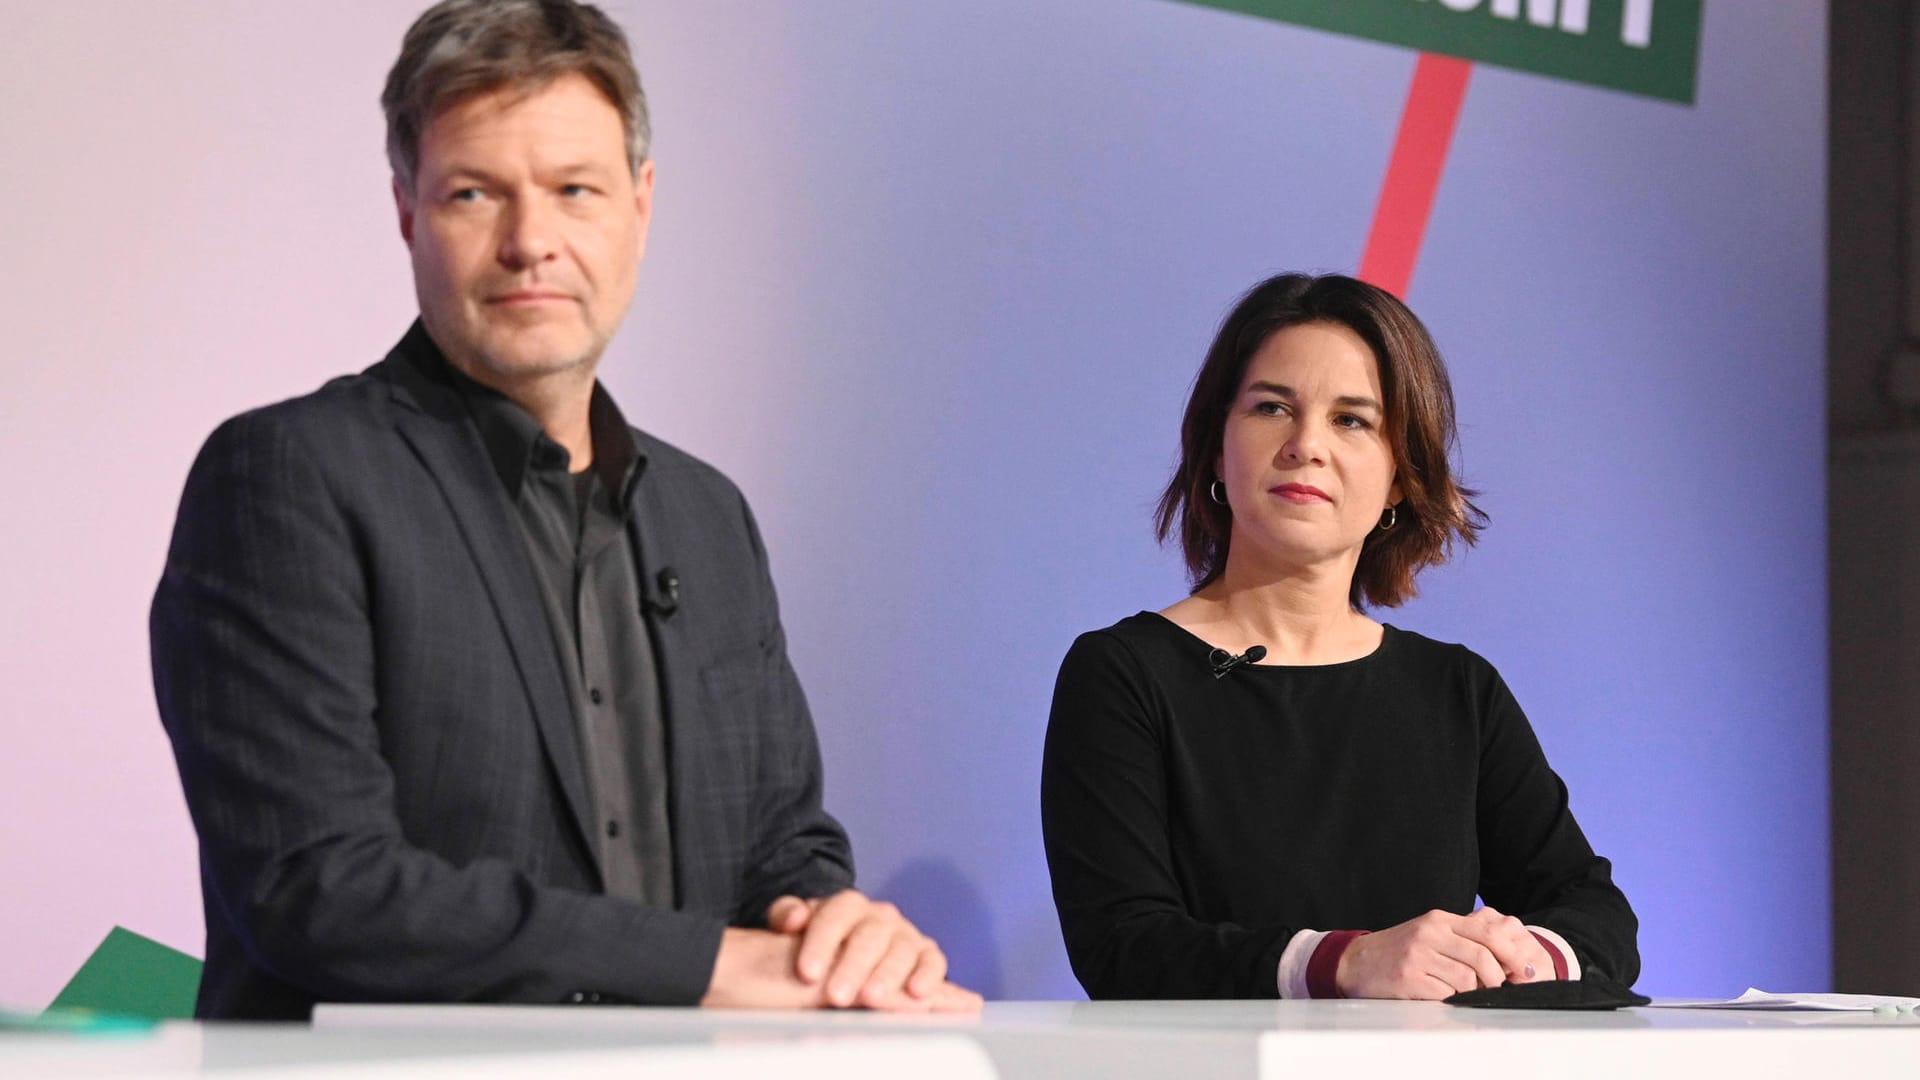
<point x="76" y="1022"/>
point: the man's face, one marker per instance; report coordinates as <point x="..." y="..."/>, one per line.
<point x="527" y="227"/>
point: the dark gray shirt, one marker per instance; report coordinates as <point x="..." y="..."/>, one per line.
<point x="575" y="526"/>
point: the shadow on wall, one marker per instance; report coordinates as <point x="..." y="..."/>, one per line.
<point x="942" y="902"/>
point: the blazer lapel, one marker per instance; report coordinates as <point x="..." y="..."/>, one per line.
<point x="436" y="425"/>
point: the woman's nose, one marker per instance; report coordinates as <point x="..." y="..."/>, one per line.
<point x="1303" y="445"/>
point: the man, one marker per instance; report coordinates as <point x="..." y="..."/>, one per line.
<point x="477" y="693"/>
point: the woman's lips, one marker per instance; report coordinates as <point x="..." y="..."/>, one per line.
<point x="1300" y="493"/>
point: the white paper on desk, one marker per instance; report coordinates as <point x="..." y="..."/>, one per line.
<point x="1760" y="999"/>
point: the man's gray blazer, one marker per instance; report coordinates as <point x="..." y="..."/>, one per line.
<point x="366" y="704"/>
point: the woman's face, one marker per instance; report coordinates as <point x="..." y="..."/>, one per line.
<point x="1305" y="457"/>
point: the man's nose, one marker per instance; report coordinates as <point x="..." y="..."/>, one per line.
<point x="527" y="235"/>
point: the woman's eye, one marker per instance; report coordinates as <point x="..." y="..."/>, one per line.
<point x="1269" y="408"/>
<point x="1351" y="422"/>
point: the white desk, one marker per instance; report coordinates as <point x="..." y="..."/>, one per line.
<point x="1125" y="1040"/>
<point x="457" y="1052"/>
<point x="1181" y="1040"/>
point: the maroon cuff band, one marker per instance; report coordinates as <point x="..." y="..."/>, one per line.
<point x="1325" y="962"/>
<point x="1559" y="962"/>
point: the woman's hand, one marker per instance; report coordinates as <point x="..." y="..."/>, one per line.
<point x="1439" y="954"/>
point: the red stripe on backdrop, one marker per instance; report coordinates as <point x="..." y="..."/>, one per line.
<point x="1413" y="172"/>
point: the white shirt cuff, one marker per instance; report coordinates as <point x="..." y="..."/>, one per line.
<point x="1566" y="953"/>
<point x="1293" y="963"/>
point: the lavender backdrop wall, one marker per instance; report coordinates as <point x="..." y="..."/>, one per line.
<point x="929" y="280"/>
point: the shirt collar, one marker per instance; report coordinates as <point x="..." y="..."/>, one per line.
<point x="514" y="440"/>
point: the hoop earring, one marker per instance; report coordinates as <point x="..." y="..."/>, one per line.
<point x="1217" y="491"/>
<point x="1391" y="519"/>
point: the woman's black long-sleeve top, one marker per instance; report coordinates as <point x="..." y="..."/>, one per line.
<point x="1194" y="824"/>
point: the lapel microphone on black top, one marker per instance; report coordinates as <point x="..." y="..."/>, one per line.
<point x="665" y="599"/>
<point x="1224" y="661"/>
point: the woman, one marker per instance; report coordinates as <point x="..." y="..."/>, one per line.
<point x="1261" y="791"/>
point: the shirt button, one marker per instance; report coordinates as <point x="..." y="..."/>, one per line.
<point x="613" y="828"/>
<point x="593" y="695"/>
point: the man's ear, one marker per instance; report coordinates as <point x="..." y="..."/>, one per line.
<point x="403" y="205"/>
<point x="643" y="200"/>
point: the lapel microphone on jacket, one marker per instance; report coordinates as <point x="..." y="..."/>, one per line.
<point x="1224" y="661"/>
<point x="664" y="600"/>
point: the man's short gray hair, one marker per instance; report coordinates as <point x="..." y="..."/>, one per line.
<point x="459" y="48"/>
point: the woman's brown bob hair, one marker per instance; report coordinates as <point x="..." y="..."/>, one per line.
<point x="1419" y="426"/>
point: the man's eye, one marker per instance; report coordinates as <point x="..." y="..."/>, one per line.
<point x="465" y="195"/>
<point x="575" y="191"/>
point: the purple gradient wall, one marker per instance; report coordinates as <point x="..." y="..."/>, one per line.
<point x="929" y="280"/>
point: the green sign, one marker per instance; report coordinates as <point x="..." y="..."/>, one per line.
<point x="1649" y="47"/>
